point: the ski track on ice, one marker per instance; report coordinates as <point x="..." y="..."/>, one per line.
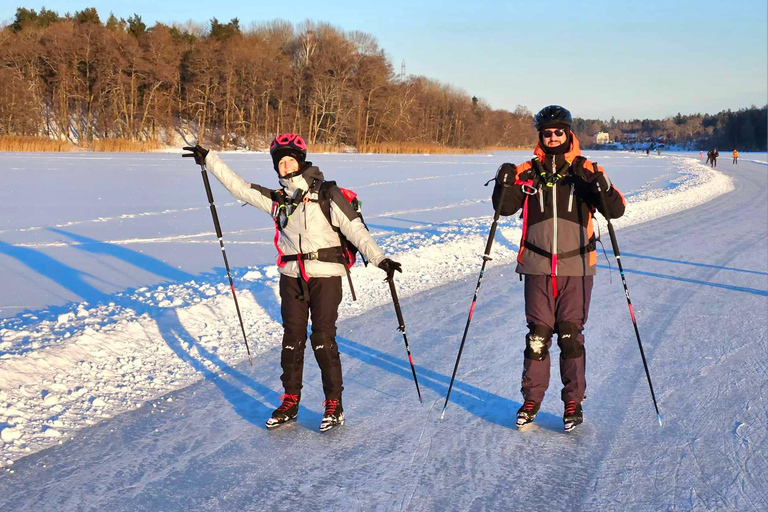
<point x="126" y="216"/>
<point x="470" y="460"/>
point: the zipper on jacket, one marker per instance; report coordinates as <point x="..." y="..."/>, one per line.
<point x="570" y="199"/>
<point x="554" y="219"/>
<point x="541" y="198"/>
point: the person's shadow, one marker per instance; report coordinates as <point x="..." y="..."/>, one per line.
<point x="252" y="400"/>
<point x="251" y="408"/>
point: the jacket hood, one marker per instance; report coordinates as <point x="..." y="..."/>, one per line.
<point x="310" y="175"/>
<point x="570" y="155"/>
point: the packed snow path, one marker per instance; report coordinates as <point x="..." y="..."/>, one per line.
<point x="699" y="282"/>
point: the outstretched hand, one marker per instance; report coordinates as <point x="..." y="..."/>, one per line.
<point x="389" y="266"/>
<point x="197" y="152"/>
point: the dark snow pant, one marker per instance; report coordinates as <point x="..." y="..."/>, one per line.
<point x="564" y="315"/>
<point x="320" y="298"/>
<point x="735" y="160"/>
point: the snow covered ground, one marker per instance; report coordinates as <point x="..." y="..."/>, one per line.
<point x="114" y="300"/>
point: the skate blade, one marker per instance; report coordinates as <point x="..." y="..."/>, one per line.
<point x="571" y="425"/>
<point x="522" y="423"/>
<point x="325" y="427"/>
<point x="274" y="424"/>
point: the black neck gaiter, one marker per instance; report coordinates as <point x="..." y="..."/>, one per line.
<point x="557" y="150"/>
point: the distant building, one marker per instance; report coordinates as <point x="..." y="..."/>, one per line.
<point x="602" y="138"/>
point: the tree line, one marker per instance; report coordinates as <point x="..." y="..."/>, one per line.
<point x="76" y="78"/>
<point x="745" y="130"/>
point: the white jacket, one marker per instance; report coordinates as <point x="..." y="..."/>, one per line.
<point x="307" y="229"/>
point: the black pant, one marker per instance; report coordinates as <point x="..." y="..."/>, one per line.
<point x="321" y="299"/>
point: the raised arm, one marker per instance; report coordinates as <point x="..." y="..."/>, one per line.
<point x="256" y="195"/>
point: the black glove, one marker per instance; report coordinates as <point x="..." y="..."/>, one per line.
<point x="198" y="153"/>
<point x="506" y="174"/>
<point x="389" y="266"/>
<point x="593" y="178"/>
<point x="599" y="178"/>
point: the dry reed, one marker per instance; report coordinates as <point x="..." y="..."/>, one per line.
<point x="124" y="146"/>
<point x="410" y="148"/>
<point x="33" y="144"/>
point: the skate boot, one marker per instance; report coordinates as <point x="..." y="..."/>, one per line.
<point x="334" y="415"/>
<point x="287" y="411"/>
<point x="573" y="415"/>
<point x="527" y="413"/>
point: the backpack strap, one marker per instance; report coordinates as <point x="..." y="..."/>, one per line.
<point x="324" y="201"/>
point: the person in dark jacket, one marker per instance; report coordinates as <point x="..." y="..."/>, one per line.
<point x="311" y="260"/>
<point x="713" y="160"/>
<point x="558" y="191"/>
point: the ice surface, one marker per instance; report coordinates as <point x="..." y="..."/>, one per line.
<point x="111" y="304"/>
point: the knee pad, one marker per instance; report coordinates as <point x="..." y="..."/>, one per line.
<point x="292" y="353"/>
<point x="569" y="340"/>
<point x="326" y="351"/>
<point x="537" y="342"/>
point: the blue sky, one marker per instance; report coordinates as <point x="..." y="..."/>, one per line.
<point x="598" y="58"/>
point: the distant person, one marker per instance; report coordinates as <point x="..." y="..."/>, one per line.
<point x="647" y="151"/>
<point x="558" y="192"/>
<point x="701" y="154"/>
<point x="311" y="260"/>
<point x="735" y="157"/>
<point x="715" y="154"/>
<point x="709" y="156"/>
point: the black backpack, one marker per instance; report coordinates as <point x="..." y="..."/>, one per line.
<point x="324" y="200"/>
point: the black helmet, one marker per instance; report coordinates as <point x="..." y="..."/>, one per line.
<point x="552" y="116"/>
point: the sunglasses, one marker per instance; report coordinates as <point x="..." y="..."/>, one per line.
<point x="556" y="133"/>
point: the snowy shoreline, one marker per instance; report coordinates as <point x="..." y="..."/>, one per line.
<point x="62" y="369"/>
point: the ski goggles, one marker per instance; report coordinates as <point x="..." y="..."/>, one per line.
<point x="550" y="133"/>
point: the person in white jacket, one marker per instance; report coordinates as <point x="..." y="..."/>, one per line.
<point x="312" y="258"/>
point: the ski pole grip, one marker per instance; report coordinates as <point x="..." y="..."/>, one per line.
<point x="396" y="302"/>
<point x="207" y="184"/>
<point x="210" y="202"/>
<point x="607" y="216"/>
<point x="614" y="243"/>
<point x="496" y="214"/>
<point x="603" y="202"/>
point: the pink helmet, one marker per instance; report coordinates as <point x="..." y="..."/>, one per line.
<point x="288" y="144"/>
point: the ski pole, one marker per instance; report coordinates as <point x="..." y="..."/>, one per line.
<point x="486" y="259"/>
<point x="401" y="328"/>
<point x="616" y="253"/>
<point x="224" y="253"/>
